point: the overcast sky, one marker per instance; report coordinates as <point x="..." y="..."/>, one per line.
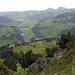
<point x="23" y="5"/>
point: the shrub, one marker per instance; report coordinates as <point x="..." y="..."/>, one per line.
<point x="69" y="45"/>
<point x="65" y="38"/>
<point x="50" y="51"/>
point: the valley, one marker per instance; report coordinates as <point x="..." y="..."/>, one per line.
<point x="37" y="42"/>
<point x="36" y="24"/>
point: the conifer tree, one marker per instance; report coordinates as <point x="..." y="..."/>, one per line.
<point x="65" y="38"/>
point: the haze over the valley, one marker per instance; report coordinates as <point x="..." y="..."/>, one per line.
<point x="23" y="5"/>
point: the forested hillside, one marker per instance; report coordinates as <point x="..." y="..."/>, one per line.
<point x="36" y="15"/>
<point x="28" y="22"/>
<point x="10" y="35"/>
<point x="56" y="26"/>
<point x="35" y="39"/>
<point x="44" y="57"/>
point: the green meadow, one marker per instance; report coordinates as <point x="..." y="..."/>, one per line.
<point x="36" y="47"/>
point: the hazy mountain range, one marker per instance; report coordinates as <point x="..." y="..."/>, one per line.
<point x="16" y="27"/>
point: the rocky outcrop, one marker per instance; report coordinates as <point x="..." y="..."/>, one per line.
<point x="59" y="54"/>
<point x="38" y="65"/>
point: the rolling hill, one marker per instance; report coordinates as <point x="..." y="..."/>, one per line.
<point x="6" y="22"/>
<point x="62" y="61"/>
<point x="54" y="27"/>
<point x="10" y="35"/>
<point x="35" y="15"/>
<point x="32" y="24"/>
<point x="12" y="31"/>
<point x="48" y="56"/>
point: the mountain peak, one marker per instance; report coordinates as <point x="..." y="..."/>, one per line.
<point x="62" y="8"/>
<point x="50" y="8"/>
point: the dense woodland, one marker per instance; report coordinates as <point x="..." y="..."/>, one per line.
<point x="11" y="62"/>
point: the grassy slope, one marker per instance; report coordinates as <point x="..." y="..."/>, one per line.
<point x="63" y="66"/>
<point x="27" y="25"/>
<point x="38" y="49"/>
<point x="7" y="36"/>
<point x="47" y="28"/>
<point x="30" y="18"/>
<point x="26" y="28"/>
<point x="53" y="28"/>
<point x="28" y="22"/>
<point x="3" y="31"/>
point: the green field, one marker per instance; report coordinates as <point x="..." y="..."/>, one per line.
<point x="25" y="27"/>
<point x="52" y="28"/>
<point x="8" y="36"/>
<point x="63" y="66"/>
<point x="38" y="49"/>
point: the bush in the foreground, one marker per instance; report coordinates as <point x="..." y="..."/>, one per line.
<point x="4" y="69"/>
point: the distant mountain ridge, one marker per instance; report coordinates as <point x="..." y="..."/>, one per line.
<point x="56" y="26"/>
<point x="36" y="15"/>
<point x="6" y="21"/>
<point x="35" y="24"/>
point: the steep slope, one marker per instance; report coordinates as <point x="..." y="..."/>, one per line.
<point x="27" y="19"/>
<point x="59" y="61"/>
<point x="10" y="35"/>
<point x="4" y="19"/>
<point x="5" y="22"/>
<point x="65" y="65"/>
<point x="16" y="33"/>
<point x="56" y="26"/>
